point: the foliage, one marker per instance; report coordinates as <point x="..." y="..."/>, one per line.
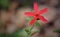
<point x="57" y="31"/>
<point x="4" y="3"/>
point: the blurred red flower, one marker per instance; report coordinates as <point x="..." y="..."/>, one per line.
<point x="36" y="14"/>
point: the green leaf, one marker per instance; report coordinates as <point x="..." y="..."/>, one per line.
<point x="31" y="27"/>
<point x="57" y="30"/>
<point x="37" y="24"/>
<point x="28" y="32"/>
<point x="4" y="3"/>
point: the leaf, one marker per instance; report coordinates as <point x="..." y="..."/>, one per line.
<point x="58" y="31"/>
<point x="37" y="24"/>
<point x="28" y="32"/>
<point x="31" y="28"/>
<point x="4" y="3"/>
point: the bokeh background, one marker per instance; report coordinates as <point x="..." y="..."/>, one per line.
<point x="13" y="22"/>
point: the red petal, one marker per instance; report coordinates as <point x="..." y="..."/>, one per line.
<point x="43" y="11"/>
<point x="43" y="19"/>
<point x="35" y="7"/>
<point x="29" y="14"/>
<point x="33" y="21"/>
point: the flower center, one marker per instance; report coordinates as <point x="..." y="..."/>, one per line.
<point x="38" y="19"/>
<point x="37" y="16"/>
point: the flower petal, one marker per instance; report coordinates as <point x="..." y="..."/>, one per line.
<point x="43" y="19"/>
<point x="35" y="7"/>
<point x="43" y="11"/>
<point x="29" y="13"/>
<point x="33" y="21"/>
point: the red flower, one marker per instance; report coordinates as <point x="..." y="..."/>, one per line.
<point x="36" y="14"/>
